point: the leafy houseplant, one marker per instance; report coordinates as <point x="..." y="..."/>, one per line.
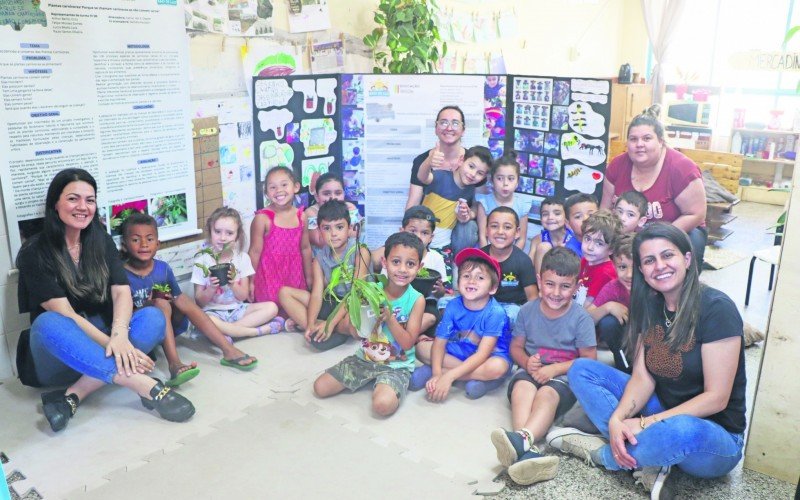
<point x="409" y="31"/>
<point x="220" y="269"/>
<point x="364" y="299"/>
<point x="160" y="291"/>
<point x="425" y="280"/>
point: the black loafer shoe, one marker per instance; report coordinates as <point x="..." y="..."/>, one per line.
<point x="59" y="408"/>
<point x="168" y="403"/>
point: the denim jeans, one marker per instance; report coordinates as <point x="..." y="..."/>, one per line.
<point x="62" y="352"/>
<point x="697" y="446"/>
<point x="698" y="237"/>
<point x="512" y="311"/>
<point x="610" y="332"/>
<point x="464" y="235"/>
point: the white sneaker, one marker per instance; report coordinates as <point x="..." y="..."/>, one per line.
<point x="575" y="442"/>
<point x="533" y="467"/>
<point x="653" y="479"/>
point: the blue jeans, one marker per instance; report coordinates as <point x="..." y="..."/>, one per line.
<point x="611" y="332"/>
<point x="512" y="310"/>
<point x="698" y="237"/>
<point x="62" y="352"/>
<point x="464" y="235"/>
<point x="697" y="446"/>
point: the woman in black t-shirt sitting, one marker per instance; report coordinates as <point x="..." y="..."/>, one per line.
<point x="83" y="333"/>
<point x="684" y="403"/>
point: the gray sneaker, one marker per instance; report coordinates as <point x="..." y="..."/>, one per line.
<point x="533" y="467"/>
<point x="577" y="443"/>
<point x="654" y="480"/>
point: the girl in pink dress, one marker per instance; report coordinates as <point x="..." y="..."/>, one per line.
<point x="279" y="239"/>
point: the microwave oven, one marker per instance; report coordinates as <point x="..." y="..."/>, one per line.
<point x="691" y="113"/>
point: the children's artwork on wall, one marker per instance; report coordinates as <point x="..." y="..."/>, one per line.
<point x="444" y="19"/>
<point x="497" y="63"/>
<point x="535" y="165"/>
<point x="507" y="24"/>
<point x="354" y="187"/>
<point x="545" y="187"/>
<point x="352" y="158"/>
<point x="352" y="90"/>
<point x="552" y="169"/>
<point x="551" y="144"/>
<point x="463" y="31"/>
<point x="600" y="99"/>
<point x="584" y="120"/>
<point x="272" y="92"/>
<point x="275" y="120"/>
<point x="277" y="64"/>
<point x="227" y="154"/>
<point x="313" y="16"/>
<point x="312" y="169"/>
<point x="534" y="90"/>
<point x="561" y="92"/>
<point x="535" y="213"/>
<point x="581" y="178"/>
<point x="589" y="151"/>
<point x="476" y="64"/>
<point x="274" y="154"/>
<point x="522" y="160"/>
<point x="352" y="123"/>
<point x="292" y="133"/>
<point x="533" y="116"/>
<point x="450" y="63"/>
<point x="326" y="90"/>
<point x="590" y="86"/>
<point x="560" y="119"/>
<point x="327" y="57"/>
<point x="317" y="135"/>
<point x="308" y="89"/>
<point x="485" y="29"/>
<point x="526" y="185"/>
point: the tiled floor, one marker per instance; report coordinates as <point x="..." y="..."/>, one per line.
<point x="263" y="434"/>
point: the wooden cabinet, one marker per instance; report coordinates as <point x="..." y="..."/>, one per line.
<point x="627" y="101"/>
<point x="764" y="164"/>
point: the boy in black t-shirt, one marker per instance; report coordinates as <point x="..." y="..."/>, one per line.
<point x="518" y="280"/>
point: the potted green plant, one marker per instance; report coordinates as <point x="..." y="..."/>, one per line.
<point x="408" y="30"/>
<point x="219" y="270"/>
<point x="425" y="280"/>
<point x="160" y="291"/>
<point x="364" y="299"/>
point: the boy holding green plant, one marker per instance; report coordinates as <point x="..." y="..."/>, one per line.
<point x="310" y="311"/>
<point x="388" y="355"/>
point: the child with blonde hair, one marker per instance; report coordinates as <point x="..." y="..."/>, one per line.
<point x="279" y="244"/>
<point x="224" y="300"/>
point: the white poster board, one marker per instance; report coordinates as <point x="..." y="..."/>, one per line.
<point x="399" y="124"/>
<point x="102" y="86"/>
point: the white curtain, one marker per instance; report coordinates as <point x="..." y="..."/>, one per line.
<point x="661" y="17"/>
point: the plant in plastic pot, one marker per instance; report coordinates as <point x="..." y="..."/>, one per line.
<point x="363" y="300"/>
<point x="219" y="270"/>
<point x="425" y="280"/>
<point x="161" y="291"/>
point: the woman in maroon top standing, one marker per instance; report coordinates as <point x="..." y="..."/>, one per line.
<point x="671" y="182"/>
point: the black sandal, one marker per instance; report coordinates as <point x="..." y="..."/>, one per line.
<point x="168" y="403"/>
<point x="59" y="408"/>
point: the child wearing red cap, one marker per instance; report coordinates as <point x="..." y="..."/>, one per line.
<point x="473" y="337"/>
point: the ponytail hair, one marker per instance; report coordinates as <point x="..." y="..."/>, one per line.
<point x="649" y="117"/>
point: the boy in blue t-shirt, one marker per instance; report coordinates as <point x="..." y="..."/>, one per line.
<point x="139" y="246"/>
<point x="550" y="333"/>
<point x="472" y="339"/>
<point x="388" y="355"/>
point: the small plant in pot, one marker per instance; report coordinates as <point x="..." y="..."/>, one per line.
<point x="219" y="270"/>
<point x="364" y="299"/>
<point x="425" y="280"/>
<point x="161" y="291"/>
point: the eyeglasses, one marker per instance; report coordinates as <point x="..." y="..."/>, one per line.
<point x="449" y="124"/>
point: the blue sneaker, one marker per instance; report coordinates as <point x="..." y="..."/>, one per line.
<point x="478" y="388"/>
<point x="533" y="467"/>
<point x="420" y="377"/>
<point x="509" y="446"/>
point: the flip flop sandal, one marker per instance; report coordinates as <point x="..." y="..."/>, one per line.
<point x="182" y="377"/>
<point x="236" y="363"/>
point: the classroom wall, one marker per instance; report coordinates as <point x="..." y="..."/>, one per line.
<point x="603" y="34"/>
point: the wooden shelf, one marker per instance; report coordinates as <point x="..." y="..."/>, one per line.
<point x="776" y="133"/>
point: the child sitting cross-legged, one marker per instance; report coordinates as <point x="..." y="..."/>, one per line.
<point x="139" y="246"/>
<point x="599" y="232"/>
<point x="387" y="356"/>
<point x="310" y="310"/>
<point x="472" y="339"/>
<point x="550" y="333"/>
